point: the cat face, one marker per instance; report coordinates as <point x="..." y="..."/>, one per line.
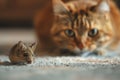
<point x="78" y="29"/>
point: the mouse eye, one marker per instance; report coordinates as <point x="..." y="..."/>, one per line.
<point x="69" y="33"/>
<point x="93" y="32"/>
<point x="25" y="54"/>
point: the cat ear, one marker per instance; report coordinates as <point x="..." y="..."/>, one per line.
<point x="59" y="7"/>
<point x="21" y="45"/>
<point x="103" y="6"/>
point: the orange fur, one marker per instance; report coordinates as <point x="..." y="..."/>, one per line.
<point x="78" y="26"/>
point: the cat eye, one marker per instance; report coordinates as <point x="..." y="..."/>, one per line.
<point x="69" y="33"/>
<point x="25" y="54"/>
<point x="93" y="32"/>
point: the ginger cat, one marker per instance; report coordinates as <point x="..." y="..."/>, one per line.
<point x="80" y="26"/>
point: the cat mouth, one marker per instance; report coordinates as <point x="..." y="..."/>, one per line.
<point x="76" y="52"/>
<point x="80" y="52"/>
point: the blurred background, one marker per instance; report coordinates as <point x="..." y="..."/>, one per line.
<point x="20" y="13"/>
<point x="16" y="21"/>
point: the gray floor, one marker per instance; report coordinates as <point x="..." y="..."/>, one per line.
<point x="63" y="68"/>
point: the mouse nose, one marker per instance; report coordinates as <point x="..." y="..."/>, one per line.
<point x="29" y="62"/>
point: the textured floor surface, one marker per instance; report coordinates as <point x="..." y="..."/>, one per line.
<point x="63" y="68"/>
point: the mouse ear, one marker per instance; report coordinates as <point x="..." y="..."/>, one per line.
<point x="33" y="46"/>
<point x="21" y="45"/>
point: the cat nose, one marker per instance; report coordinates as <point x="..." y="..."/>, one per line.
<point x="81" y="46"/>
